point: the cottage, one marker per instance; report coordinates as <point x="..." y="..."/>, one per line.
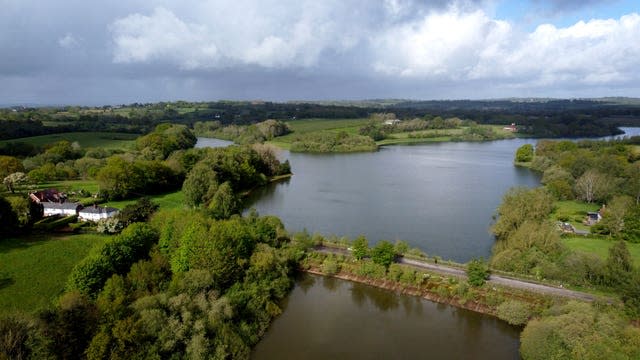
<point x="593" y="217"/>
<point x="391" y="121"/>
<point x="60" y="208"/>
<point x="96" y="213"/>
<point x="511" y="127"/>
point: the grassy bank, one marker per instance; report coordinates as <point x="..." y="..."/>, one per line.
<point x="105" y="140"/>
<point x="172" y="200"/>
<point x="34" y="270"/>
<point x="573" y="212"/>
<point x="599" y="246"/>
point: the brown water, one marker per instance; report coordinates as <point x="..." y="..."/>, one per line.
<point x="327" y="318"/>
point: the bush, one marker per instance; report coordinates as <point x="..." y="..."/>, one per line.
<point x="330" y="266"/>
<point x="478" y="272"/>
<point x="514" y="312"/>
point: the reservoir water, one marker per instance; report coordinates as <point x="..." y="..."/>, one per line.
<point x="327" y="318"/>
<point x="438" y="197"/>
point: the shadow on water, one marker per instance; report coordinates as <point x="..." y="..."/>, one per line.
<point x="381" y="300"/>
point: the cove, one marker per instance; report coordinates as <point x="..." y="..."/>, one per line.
<point x="328" y="318"/>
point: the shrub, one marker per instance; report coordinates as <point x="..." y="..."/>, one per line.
<point x="330" y="266"/>
<point x="514" y="312"/>
<point x="478" y="272"/>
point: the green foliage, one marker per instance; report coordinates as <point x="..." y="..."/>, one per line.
<point x="360" y="247"/>
<point x="140" y="211"/>
<point x="224" y="202"/>
<point x="520" y="205"/>
<point x="114" y="257"/>
<point x="332" y="142"/>
<point x="524" y="153"/>
<point x="631" y="230"/>
<point x="477" y="272"/>
<point x="514" y="312"/>
<point x="383" y="253"/>
<point x="330" y="266"/>
<point x="618" y="267"/>
<point x="21" y="338"/>
<point x="579" y="331"/>
<point x="165" y="139"/>
<point x="9" y="223"/>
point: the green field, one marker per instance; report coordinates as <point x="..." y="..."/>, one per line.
<point x="105" y="140"/>
<point x="573" y="212"/>
<point x="599" y="247"/>
<point x="174" y="200"/>
<point x="34" y="270"/>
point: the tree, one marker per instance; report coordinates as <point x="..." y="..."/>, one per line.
<point x="9" y="165"/>
<point x="615" y="214"/>
<point x="578" y="330"/>
<point x="619" y="265"/>
<point x="224" y="202"/>
<point x="521" y="204"/>
<point x="593" y="185"/>
<point x="633" y="181"/>
<point x="360" y="247"/>
<point x="12" y="181"/>
<point x="524" y="153"/>
<point x="8" y="219"/>
<point x="514" y="312"/>
<point x="383" y="253"/>
<point x="477" y="272"/>
<point x="197" y="183"/>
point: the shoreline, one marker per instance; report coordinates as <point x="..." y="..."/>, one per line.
<point x="472" y="305"/>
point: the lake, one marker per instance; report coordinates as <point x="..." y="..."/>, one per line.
<point x="328" y="318"/>
<point x="438" y="197"/>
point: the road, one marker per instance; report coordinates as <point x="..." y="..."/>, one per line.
<point x="493" y="279"/>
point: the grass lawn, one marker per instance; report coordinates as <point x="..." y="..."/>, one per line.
<point x="34" y="270"/>
<point x="105" y="140"/>
<point x="70" y="185"/>
<point x="599" y="247"/>
<point x="174" y="200"/>
<point x="574" y="212"/>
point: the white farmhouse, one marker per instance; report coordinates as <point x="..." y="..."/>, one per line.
<point x="95" y="213"/>
<point x="64" y="209"/>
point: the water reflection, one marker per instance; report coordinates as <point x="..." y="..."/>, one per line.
<point x="337" y="319"/>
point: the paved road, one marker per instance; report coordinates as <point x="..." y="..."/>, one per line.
<point x="493" y="279"/>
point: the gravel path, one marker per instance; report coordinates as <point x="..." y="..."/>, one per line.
<point x="493" y="279"/>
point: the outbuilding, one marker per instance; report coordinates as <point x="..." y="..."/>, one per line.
<point x="96" y="213"/>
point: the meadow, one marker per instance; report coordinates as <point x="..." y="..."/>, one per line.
<point x="34" y="269"/>
<point x="599" y="246"/>
<point x="104" y="140"/>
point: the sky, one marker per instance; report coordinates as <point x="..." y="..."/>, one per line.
<point x="86" y="52"/>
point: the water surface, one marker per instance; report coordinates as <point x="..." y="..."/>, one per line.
<point x="327" y="318"/>
<point x="438" y="197"/>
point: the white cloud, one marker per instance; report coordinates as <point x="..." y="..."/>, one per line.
<point x="405" y="39"/>
<point x="223" y="34"/>
<point x="470" y="46"/>
<point x="162" y="36"/>
<point x="68" y="41"/>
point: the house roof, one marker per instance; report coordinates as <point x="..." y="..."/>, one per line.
<point x="98" y="210"/>
<point x="64" y="205"/>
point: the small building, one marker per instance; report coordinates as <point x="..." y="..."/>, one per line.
<point x="391" y="121"/>
<point x="512" y="127"/>
<point x="593" y="217"/>
<point x="60" y="208"/>
<point x="96" y="213"/>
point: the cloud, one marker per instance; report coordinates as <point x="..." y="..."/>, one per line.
<point x="470" y="46"/>
<point x="162" y="37"/>
<point x="68" y="41"/>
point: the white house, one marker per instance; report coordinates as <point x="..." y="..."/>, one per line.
<point x="391" y="121"/>
<point x="95" y="213"/>
<point x="65" y="208"/>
